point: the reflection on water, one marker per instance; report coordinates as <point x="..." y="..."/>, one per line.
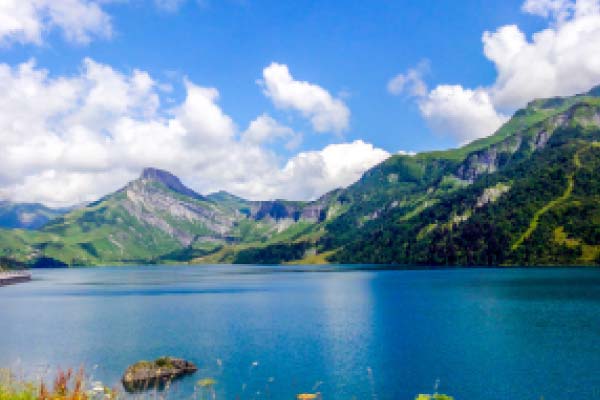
<point x="363" y="332"/>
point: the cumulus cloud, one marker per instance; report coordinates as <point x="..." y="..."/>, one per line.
<point x="202" y="117"/>
<point x="561" y="60"/>
<point x="325" y="112"/>
<point x="265" y="129"/>
<point x="72" y="139"/>
<point x="311" y="172"/>
<point x="410" y="82"/>
<point x="26" y="21"/>
<point x="463" y="113"/>
<point x="557" y="9"/>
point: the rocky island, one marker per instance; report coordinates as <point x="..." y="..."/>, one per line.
<point x="155" y="374"/>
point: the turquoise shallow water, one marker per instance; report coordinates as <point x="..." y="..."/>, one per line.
<point x="272" y="332"/>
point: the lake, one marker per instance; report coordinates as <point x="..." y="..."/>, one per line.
<point x="348" y="332"/>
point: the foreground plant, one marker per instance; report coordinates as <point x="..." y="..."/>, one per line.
<point x="67" y="385"/>
<point x="435" y="396"/>
<point x="13" y="389"/>
<point x="72" y="385"/>
<point x="206" y="385"/>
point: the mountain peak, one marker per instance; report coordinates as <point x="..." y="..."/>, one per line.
<point x="169" y="180"/>
<point x="159" y="175"/>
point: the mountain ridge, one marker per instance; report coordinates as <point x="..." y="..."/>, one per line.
<point x="513" y="198"/>
<point x="27" y="215"/>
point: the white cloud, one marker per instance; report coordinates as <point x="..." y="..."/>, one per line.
<point x="325" y="112"/>
<point x="66" y="140"/>
<point x="560" y="60"/>
<point x="313" y="173"/>
<point x="557" y="9"/>
<point x="26" y="21"/>
<point x="202" y="118"/>
<point x="560" y="10"/>
<point x="265" y="129"/>
<point x="411" y="81"/>
<point x="463" y="113"/>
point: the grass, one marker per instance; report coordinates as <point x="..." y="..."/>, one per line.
<point x="435" y="396"/>
<point x="74" y="385"/>
<point x="162" y="362"/>
<point x="419" y="208"/>
<point x="299" y="231"/>
<point x="67" y="385"/>
<point x="314" y="258"/>
<point x="520" y="122"/>
<point x="561" y="199"/>
<point x="589" y="253"/>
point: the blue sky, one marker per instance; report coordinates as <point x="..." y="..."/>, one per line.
<point x="457" y="83"/>
<point x="350" y="47"/>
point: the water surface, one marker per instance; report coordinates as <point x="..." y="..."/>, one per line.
<point x="272" y="332"/>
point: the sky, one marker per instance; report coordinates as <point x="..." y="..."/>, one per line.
<point x="267" y="99"/>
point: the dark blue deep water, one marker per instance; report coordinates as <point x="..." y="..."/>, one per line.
<point x="272" y="332"/>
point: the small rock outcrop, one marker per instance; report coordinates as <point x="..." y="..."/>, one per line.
<point x="155" y="374"/>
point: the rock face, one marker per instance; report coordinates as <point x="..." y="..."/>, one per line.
<point x="279" y="209"/>
<point x="169" y="180"/>
<point x="170" y="213"/>
<point x="489" y="160"/>
<point x="155" y="374"/>
<point x="494" y="157"/>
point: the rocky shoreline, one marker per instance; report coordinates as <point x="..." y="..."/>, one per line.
<point x="9" y="278"/>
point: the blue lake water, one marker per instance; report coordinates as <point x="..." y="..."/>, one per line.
<point x="273" y="332"/>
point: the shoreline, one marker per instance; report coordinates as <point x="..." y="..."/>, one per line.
<point x="11" y="278"/>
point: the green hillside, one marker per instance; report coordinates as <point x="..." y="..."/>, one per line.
<point x="529" y="198"/>
<point x="155" y="219"/>
<point x="527" y="195"/>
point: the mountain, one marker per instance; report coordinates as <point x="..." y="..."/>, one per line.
<point x="155" y="218"/>
<point x="26" y="215"/>
<point x="527" y="195"/>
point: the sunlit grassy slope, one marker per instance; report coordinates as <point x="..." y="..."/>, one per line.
<point x="529" y="194"/>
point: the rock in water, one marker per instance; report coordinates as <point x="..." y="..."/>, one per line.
<point x="155" y="374"/>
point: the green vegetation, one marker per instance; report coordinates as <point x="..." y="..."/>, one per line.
<point x="563" y="197"/>
<point x="67" y="385"/>
<point x="527" y="195"/>
<point x="14" y="389"/>
<point x="551" y="184"/>
<point x="517" y="228"/>
<point x="435" y="396"/>
<point x="70" y="385"/>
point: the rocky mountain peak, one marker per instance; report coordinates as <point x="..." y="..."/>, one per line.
<point x="159" y="175"/>
<point x="169" y="180"/>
